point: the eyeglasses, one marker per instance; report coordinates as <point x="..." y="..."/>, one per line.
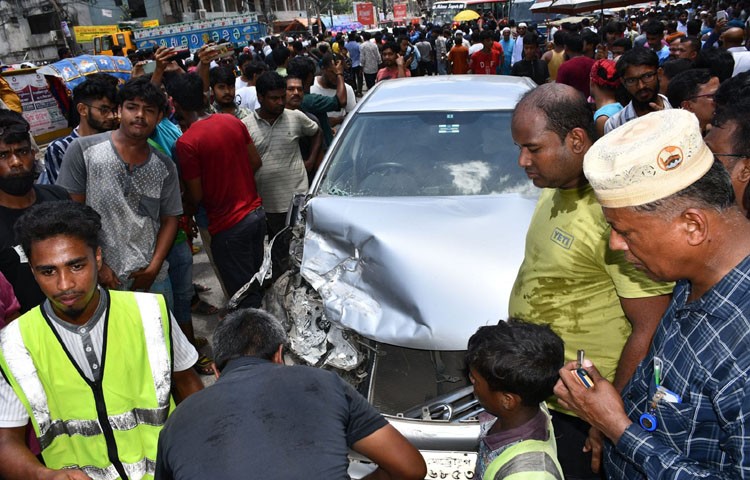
<point x="105" y="111"/>
<point x="709" y="96"/>
<point x="645" y="78"/>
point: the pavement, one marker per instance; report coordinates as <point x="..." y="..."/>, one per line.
<point x="204" y="325"/>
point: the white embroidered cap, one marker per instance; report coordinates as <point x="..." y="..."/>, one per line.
<point x="647" y="159"/>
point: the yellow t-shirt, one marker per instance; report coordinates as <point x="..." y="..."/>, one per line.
<point x="572" y="281"/>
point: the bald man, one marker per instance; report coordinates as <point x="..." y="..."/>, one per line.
<point x="733" y="41"/>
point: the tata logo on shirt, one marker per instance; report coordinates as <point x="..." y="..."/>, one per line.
<point x="562" y="238"/>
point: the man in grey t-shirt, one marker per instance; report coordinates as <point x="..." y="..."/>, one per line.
<point x="133" y="187"/>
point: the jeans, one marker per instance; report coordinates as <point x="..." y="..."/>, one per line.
<point x="357" y="83"/>
<point x="238" y="253"/>
<point x="180" y="260"/>
<point x="280" y="251"/>
<point x="442" y="67"/>
<point x="370" y="79"/>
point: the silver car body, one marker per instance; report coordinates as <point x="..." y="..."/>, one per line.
<point x="407" y="272"/>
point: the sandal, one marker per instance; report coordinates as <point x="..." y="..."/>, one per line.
<point x="201" y="288"/>
<point x="204" y="365"/>
<point x="203" y="308"/>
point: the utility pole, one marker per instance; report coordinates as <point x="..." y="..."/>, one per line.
<point x="63" y="17"/>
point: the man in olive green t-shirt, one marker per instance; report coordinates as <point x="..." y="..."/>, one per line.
<point x="570" y="278"/>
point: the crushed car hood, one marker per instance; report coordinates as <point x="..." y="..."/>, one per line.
<point x="421" y="272"/>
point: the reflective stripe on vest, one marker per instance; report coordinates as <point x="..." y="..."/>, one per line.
<point x="529" y="462"/>
<point x="134" y="470"/>
<point x="528" y="459"/>
<point x="154" y="320"/>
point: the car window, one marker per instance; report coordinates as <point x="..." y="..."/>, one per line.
<point x="425" y="154"/>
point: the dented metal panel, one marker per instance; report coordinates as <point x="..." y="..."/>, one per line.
<point x="415" y="272"/>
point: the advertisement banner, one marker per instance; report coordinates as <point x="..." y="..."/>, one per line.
<point x="365" y="13"/>
<point x="399" y="12"/>
<point x="150" y="23"/>
<point x="40" y="108"/>
<point x="86" y="34"/>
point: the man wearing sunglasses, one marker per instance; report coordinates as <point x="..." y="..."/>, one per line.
<point x="95" y="103"/>
<point x="638" y="72"/>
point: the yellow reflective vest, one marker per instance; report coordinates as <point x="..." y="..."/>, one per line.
<point x="528" y="460"/>
<point x="108" y="428"/>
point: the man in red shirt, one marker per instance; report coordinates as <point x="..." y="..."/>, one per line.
<point x="577" y="70"/>
<point x="486" y="60"/>
<point x="218" y="161"/>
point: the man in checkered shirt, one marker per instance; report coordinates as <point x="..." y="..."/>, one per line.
<point x="685" y="412"/>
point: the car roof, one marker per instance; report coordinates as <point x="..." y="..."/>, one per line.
<point x="446" y="92"/>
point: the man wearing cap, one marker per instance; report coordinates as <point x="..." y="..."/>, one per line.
<point x="569" y="278"/>
<point x="671" y="206"/>
<point x="508" y="45"/>
<point x="518" y="48"/>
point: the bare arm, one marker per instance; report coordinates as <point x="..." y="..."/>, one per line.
<point x="17" y="461"/>
<point x="396" y="458"/>
<point x="185" y="384"/>
<point x="311" y="162"/>
<point x="254" y="157"/>
<point x="400" y="64"/>
<point x="144" y="278"/>
<point x="340" y="84"/>
<point x="161" y="57"/>
<point x="644" y="315"/>
<point x="193" y="192"/>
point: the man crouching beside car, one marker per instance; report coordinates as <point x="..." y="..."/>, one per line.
<point x="264" y="419"/>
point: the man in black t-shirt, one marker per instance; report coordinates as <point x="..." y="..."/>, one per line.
<point x="264" y="419"/>
<point x="531" y="66"/>
<point x="18" y="171"/>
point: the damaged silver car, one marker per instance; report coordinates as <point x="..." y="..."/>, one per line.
<point x="408" y="240"/>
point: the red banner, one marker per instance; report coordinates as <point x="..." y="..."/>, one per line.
<point x="365" y="13"/>
<point x="399" y="12"/>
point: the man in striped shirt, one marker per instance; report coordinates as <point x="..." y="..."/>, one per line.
<point x="95" y="102"/>
<point x="276" y="132"/>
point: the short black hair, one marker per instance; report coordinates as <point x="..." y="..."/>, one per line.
<point x="392" y="46"/>
<point x="50" y="219"/>
<point x="187" y="91"/>
<point x="636" y="57"/>
<point x="732" y="91"/>
<point x="254" y="68"/>
<point x="574" y="42"/>
<point x="269" y="81"/>
<point x="141" y="87"/>
<point x="559" y="38"/>
<point x="280" y="55"/>
<point x="221" y="74"/>
<point x="694" y="27"/>
<point x="13" y="127"/>
<point x="95" y="87"/>
<point x="530" y="39"/>
<point x="653" y="27"/>
<point x="717" y="60"/>
<point x="589" y="37"/>
<point x="517" y="357"/>
<point x="623" y="42"/>
<point x="300" y="67"/>
<point x="564" y="107"/>
<point x="674" y="66"/>
<point x="686" y="84"/>
<point x="247" y="332"/>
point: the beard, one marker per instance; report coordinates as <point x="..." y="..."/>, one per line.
<point x="102" y="126"/>
<point x="18" y="185"/>
<point x="639" y="104"/>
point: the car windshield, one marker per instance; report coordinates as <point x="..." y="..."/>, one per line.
<point x="426" y="154"/>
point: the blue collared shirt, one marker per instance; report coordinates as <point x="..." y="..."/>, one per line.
<point x="705" y="349"/>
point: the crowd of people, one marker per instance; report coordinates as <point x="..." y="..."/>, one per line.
<point x="637" y="134"/>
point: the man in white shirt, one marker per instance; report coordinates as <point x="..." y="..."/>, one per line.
<point x="325" y="84"/>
